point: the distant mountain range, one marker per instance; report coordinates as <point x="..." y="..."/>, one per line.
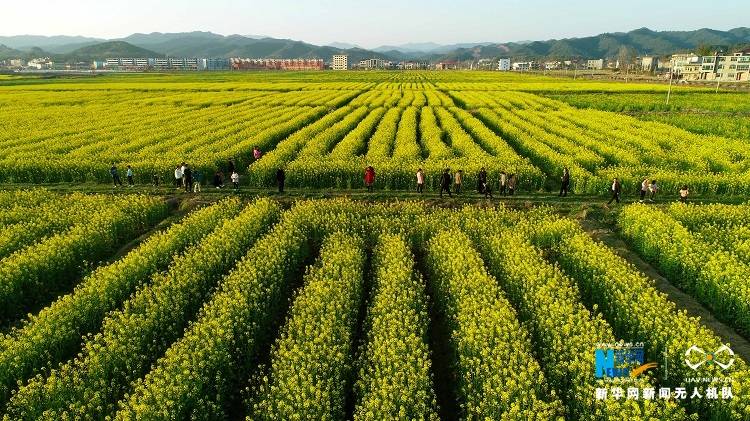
<point x="206" y="44"/>
<point x="427" y="47"/>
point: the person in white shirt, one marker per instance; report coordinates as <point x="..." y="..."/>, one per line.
<point x="644" y="189"/>
<point x="235" y="180"/>
<point x="178" y="177"/>
<point x="503" y="182"/>
<point x="652" y="188"/>
<point x="420" y="181"/>
<point x="182" y="171"/>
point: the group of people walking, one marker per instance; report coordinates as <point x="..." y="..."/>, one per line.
<point x="191" y="181"/>
<point x="507" y="182"/>
<point x="186" y="178"/>
<point x="648" y="187"/>
<point x="234" y="177"/>
<point x="116" y="176"/>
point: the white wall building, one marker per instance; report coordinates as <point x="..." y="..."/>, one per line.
<point x="649" y="63"/>
<point x="503" y="64"/>
<point x="372" y="63"/>
<point x="340" y="62"/>
<point x="41" y="63"/>
<point x="597" y="64"/>
<point x="726" y="68"/>
<point x="522" y="66"/>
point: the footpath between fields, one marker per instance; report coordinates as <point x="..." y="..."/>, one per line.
<point x="523" y="199"/>
<point x="601" y="232"/>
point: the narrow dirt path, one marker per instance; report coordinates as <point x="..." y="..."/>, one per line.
<point x="740" y="345"/>
<point x="174" y="213"/>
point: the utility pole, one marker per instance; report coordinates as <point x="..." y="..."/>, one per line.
<point x="669" y="92"/>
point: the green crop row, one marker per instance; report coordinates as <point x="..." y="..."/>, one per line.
<point x="33" y="275"/>
<point x="394" y="379"/>
<point x="638" y="312"/>
<point x="716" y="278"/>
<point x="54" y="334"/>
<point x="311" y="362"/>
<point x="200" y="375"/>
<point x="563" y="330"/>
<point x="497" y="375"/>
<point x="132" y="338"/>
<point x="48" y="220"/>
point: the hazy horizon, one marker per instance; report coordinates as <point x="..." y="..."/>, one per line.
<point x="369" y="25"/>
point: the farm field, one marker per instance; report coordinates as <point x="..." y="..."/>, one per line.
<point x="325" y="128"/>
<point x="344" y="309"/>
<point x="724" y="114"/>
<point x="331" y="302"/>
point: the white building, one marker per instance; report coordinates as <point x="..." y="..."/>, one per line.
<point x="41" y="63"/>
<point x="161" y="62"/>
<point x="503" y="64"/>
<point x="649" y="63"/>
<point x="411" y="65"/>
<point x="371" y="63"/>
<point x="213" y="64"/>
<point x="726" y="68"/>
<point x="522" y="66"/>
<point x="597" y="64"/>
<point x="340" y="62"/>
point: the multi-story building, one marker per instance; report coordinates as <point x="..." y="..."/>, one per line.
<point x="161" y="63"/>
<point x="183" y="63"/>
<point x="503" y="64"/>
<point x="213" y="64"/>
<point x="727" y="68"/>
<point x="735" y="67"/>
<point x="649" y="63"/>
<point x="124" y="63"/>
<point x="41" y="63"/>
<point x="523" y="66"/>
<point x="446" y="65"/>
<point x="597" y="64"/>
<point x="372" y="63"/>
<point x="340" y="62"/>
<point x="237" y="63"/>
<point x="172" y="63"/>
<point x="485" y="64"/>
<point x="411" y="65"/>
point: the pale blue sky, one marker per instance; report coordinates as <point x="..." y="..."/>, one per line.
<point x="371" y="23"/>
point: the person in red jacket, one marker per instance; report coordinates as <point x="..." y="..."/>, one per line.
<point x="369" y="178"/>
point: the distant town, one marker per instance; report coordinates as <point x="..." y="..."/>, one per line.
<point x="719" y="66"/>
